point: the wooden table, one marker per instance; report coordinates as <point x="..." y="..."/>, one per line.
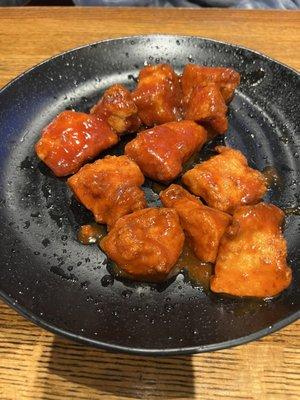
<point x="35" y="364"/>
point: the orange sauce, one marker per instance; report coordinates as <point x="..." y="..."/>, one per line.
<point x="92" y="233"/>
<point x="271" y="176"/>
<point x="199" y="272"/>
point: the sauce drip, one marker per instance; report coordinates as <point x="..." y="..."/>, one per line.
<point x="272" y="177"/>
<point x="199" y="272"/>
<point x="90" y="234"/>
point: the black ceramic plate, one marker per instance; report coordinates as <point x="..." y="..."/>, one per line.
<point x="64" y="286"/>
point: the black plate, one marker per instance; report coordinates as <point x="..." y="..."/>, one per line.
<point x="64" y="286"/>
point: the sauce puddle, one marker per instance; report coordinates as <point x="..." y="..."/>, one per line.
<point x="272" y="177"/>
<point x="198" y="272"/>
<point x="91" y="233"/>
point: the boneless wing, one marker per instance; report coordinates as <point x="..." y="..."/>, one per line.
<point x="158" y="95"/>
<point x="161" y="151"/>
<point x="203" y="226"/>
<point x="225" y="181"/>
<point x="71" y="139"/>
<point x="252" y="254"/>
<point x="145" y="244"/>
<point x="206" y="105"/>
<point x="226" y="79"/>
<point x="118" y="108"/>
<point x="110" y="188"/>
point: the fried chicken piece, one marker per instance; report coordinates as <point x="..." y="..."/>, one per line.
<point x="206" y="104"/>
<point x="71" y="139"/>
<point x="203" y="226"/>
<point x="252" y="254"/>
<point x="227" y="79"/>
<point x="117" y="107"/>
<point x="158" y="95"/>
<point x="225" y="181"/>
<point x="146" y="244"/>
<point x="161" y="151"/>
<point x="109" y="188"/>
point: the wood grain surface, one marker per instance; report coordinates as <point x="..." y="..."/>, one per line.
<point x="35" y="364"/>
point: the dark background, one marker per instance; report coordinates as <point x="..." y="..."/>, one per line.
<point x="51" y="3"/>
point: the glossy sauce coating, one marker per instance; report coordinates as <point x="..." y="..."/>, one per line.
<point x="203" y="226"/>
<point x="227" y="79"/>
<point x="206" y="104"/>
<point x="110" y="188"/>
<point x="146" y="244"/>
<point x="161" y="151"/>
<point x="158" y="95"/>
<point x="118" y="108"/>
<point x="252" y="254"/>
<point x="225" y="181"/>
<point x="72" y="139"/>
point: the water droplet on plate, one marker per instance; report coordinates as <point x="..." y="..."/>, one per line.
<point x="107" y="280"/>
<point x="127" y="293"/>
<point x="26" y="225"/>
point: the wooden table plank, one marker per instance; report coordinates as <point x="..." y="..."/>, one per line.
<point x="35" y="364"/>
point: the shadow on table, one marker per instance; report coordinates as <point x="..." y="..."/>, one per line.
<point x="94" y="372"/>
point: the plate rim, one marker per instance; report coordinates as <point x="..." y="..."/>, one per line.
<point x="38" y="321"/>
<point x="150" y="36"/>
